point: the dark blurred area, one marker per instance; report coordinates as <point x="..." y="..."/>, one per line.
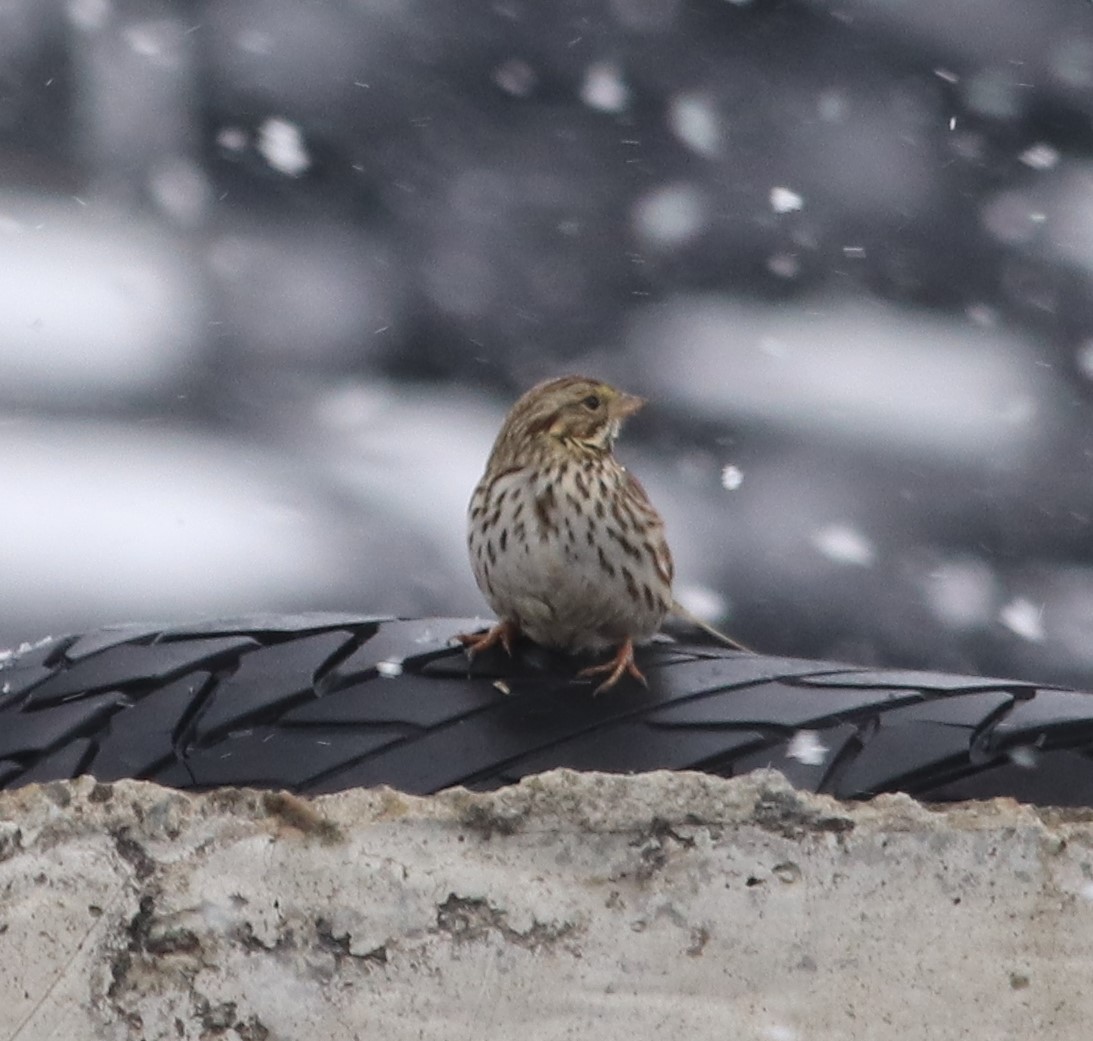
<point x="271" y="272"/>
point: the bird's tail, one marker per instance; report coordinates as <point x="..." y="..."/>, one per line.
<point x="687" y="616"/>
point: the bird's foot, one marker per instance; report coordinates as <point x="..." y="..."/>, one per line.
<point x="503" y="633"/>
<point x="623" y="662"/>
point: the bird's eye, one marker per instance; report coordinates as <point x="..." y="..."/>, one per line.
<point x="592" y="402"/>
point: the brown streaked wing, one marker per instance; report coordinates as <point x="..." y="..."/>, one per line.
<point x="658" y="545"/>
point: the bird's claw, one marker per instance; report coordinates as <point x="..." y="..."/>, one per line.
<point x="623" y="662"/>
<point x="503" y="633"/>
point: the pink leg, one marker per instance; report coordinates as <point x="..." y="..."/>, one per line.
<point x="622" y="662"/>
<point x="503" y="633"/>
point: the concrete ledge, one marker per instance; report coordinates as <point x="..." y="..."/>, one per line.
<point x="631" y="906"/>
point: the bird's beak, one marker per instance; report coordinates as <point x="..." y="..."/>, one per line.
<point x="626" y="405"/>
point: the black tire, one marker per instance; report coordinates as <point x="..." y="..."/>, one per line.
<point x="319" y="703"/>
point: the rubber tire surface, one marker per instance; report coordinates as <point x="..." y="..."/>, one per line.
<point x="319" y="703"/>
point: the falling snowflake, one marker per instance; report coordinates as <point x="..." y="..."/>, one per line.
<point x="962" y="592"/>
<point x="784" y="265"/>
<point x="1084" y="359"/>
<point x="671" y="215"/>
<point x="180" y="190"/>
<point x="1024" y="756"/>
<point x="255" y="41"/>
<point x="146" y="39"/>
<point x="389" y="669"/>
<point x="982" y="314"/>
<point x="806" y="747"/>
<point x="515" y="77"/>
<point x="731" y="477"/>
<point x="231" y="139"/>
<point x="1024" y="618"/>
<point x="696" y="123"/>
<point x="282" y="146"/>
<point x="603" y="88"/>
<point x="844" y="544"/>
<point x="785" y="200"/>
<point x="1040" y="157"/>
<point x="706" y="603"/>
<point x="89" y="14"/>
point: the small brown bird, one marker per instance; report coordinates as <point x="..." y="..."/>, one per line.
<point x="564" y="542"/>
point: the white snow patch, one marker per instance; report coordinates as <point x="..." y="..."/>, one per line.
<point x="806" y="747"/>
<point x="24" y="648"/>
<point x="785" y="200"/>
<point x="731" y="477"/>
<point x="604" y="89"/>
<point x="695" y="121"/>
<point x="282" y="145"/>
<point x="1040" y="156"/>
<point x="389" y="669"/>
<point x="853" y="368"/>
<point x="348" y="406"/>
<point x="845" y="545"/>
<point x="671" y="215"/>
<point x="1024" y="618"/>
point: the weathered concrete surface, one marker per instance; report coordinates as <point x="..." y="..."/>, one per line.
<point x="666" y="905"/>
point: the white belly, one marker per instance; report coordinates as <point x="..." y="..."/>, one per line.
<point x="557" y="573"/>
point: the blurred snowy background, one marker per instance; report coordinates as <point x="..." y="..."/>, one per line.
<point x="271" y="271"/>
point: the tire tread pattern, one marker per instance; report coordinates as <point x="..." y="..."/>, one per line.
<point x="319" y="703"/>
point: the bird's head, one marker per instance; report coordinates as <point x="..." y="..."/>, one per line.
<point x="569" y="413"/>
